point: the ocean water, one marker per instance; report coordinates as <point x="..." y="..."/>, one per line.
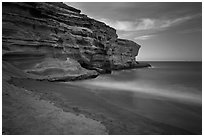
<point x="168" y="92"/>
<point x="176" y="81"/>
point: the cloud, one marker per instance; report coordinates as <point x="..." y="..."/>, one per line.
<point x="146" y="23"/>
<point x="145" y="37"/>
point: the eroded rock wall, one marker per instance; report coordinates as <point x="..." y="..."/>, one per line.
<point x="55" y="31"/>
<point x="122" y="54"/>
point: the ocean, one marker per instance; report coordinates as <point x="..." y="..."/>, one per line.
<point x="163" y="99"/>
<point x="168" y="92"/>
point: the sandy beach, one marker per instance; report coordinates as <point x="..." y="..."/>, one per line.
<point x="26" y="112"/>
<point x="96" y="107"/>
<point x="77" y="69"/>
<point x="42" y="107"/>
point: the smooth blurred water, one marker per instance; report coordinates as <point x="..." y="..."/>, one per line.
<point x="168" y="92"/>
<point x="178" y="81"/>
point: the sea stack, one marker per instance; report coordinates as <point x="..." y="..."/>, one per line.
<point x="55" y="42"/>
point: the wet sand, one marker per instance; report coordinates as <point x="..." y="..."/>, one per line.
<point x="120" y="112"/>
<point x="25" y="113"/>
<point x="42" y="107"/>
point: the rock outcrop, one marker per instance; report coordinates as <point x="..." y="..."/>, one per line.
<point x="56" y="42"/>
<point x="122" y="54"/>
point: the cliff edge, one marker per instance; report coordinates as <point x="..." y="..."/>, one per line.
<point x="55" y="42"/>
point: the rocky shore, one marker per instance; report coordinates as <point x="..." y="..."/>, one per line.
<point x="52" y="42"/>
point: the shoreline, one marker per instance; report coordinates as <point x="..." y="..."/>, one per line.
<point x="72" y="99"/>
<point x="25" y="112"/>
<point x="59" y="73"/>
<point x="31" y="114"/>
<point x="102" y="108"/>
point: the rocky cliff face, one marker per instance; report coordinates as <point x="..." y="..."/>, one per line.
<point x="56" y="42"/>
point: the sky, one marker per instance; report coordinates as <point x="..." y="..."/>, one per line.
<point x="168" y="31"/>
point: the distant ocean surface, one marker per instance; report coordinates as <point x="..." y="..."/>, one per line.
<point x="168" y="92"/>
<point x="181" y="81"/>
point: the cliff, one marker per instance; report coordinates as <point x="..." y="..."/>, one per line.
<point x="54" y="41"/>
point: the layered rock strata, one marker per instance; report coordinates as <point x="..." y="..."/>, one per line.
<point x="55" y="42"/>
